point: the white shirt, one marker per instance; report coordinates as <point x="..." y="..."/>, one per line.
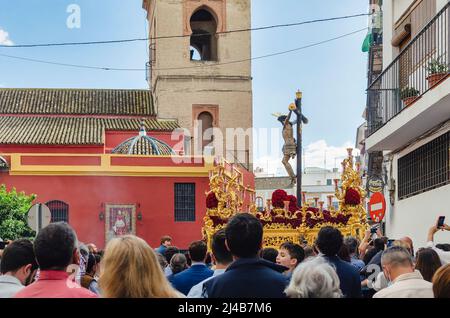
<point x="9" y="286"/>
<point x="197" y="290"/>
<point x="168" y="271"/>
<point x="380" y="282"/>
<point x="411" y="285"/>
<point x="443" y="255"/>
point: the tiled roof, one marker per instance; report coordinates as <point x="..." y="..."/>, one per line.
<point x="70" y="130"/>
<point x="76" y="102"/>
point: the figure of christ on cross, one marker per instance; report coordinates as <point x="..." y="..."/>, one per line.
<point x="290" y="145"/>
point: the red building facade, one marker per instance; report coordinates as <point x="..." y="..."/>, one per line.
<point x="58" y="145"/>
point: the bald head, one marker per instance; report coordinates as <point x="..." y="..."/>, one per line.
<point x="397" y="256"/>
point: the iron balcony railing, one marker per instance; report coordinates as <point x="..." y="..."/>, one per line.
<point x="419" y="67"/>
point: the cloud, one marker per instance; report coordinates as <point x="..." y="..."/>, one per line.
<point x="4" y="38"/>
<point x="317" y="154"/>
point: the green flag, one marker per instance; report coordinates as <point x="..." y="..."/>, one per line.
<point x="368" y="41"/>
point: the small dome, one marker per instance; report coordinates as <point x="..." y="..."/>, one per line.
<point x="143" y="145"/>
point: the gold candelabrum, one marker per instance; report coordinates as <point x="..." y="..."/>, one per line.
<point x="284" y="224"/>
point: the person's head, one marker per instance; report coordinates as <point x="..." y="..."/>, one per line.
<point x="198" y="251"/>
<point x="244" y="234"/>
<point x="329" y="241"/>
<point x="130" y="269"/>
<point x="84" y="253"/>
<point x="18" y="260"/>
<point x="84" y="249"/>
<point x="92" y="248"/>
<point x="169" y="252"/>
<point x="408" y="241"/>
<point x="282" y="119"/>
<point x="403" y="244"/>
<point x="220" y="254"/>
<point x="166" y="241"/>
<point x="56" y="247"/>
<point x="208" y="259"/>
<point x="92" y="264"/>
<point x="188" y="258"/>
<point x="269" y="254"/>
<point x="290" y="255"/>
<point x="441" y="282"/>
<point x="314" y="278"/>
<point x="309" y="251"/>
<point x="161" y="260"/>
<point x="427" y="262"/>
<point x="344" y="254"/>
<point x="379" y="244"/>
<point x="396" y="261"/>
<point x="371" y="252"/>
<point x="178" y="263"/>
<point x="352" y="245"/>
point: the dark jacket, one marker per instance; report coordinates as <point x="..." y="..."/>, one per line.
<point x="248" y="278"/>
<point x="348" y="276"/>
<point x="185" y="280"/>
<point x="376" y="260"/>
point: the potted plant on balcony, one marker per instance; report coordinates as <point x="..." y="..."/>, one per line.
<point x="409" y="95"/>
<point x="437" y="71"/>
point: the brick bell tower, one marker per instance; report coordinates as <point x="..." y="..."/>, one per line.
<point x="194" y="74"/>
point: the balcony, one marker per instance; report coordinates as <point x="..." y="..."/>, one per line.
<point x="412" y="95"/>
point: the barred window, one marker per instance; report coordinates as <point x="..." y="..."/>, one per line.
<point x="59" y="211"/>
<point x="184" y="202"/>
<point x="425" y="169"/>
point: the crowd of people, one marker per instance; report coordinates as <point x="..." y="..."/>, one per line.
<point x="57" y="265"/>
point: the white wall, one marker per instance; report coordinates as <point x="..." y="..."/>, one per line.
<point x="400" y="7"/>
<point x="414" y="216"/>
<point x="440" y="4"/>
<point x="388" y="22"/>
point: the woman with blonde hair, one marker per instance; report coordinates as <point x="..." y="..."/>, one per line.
<point x="130" y="269"/>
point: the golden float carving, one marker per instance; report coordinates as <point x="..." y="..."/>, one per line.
<point x="226" y="182"/>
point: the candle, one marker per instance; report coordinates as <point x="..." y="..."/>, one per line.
<point x="330" y="201"/>
<point x="269" y="204"/>
<point x="321" y="203"/>
<point x="286" y="205"/>
<point x="316" y="201"/>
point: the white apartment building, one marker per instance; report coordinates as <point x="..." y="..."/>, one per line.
<point x="316" y="182"/>
<point x="409" y="116"/>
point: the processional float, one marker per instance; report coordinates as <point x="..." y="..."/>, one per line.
<point x="282" y="219"/>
